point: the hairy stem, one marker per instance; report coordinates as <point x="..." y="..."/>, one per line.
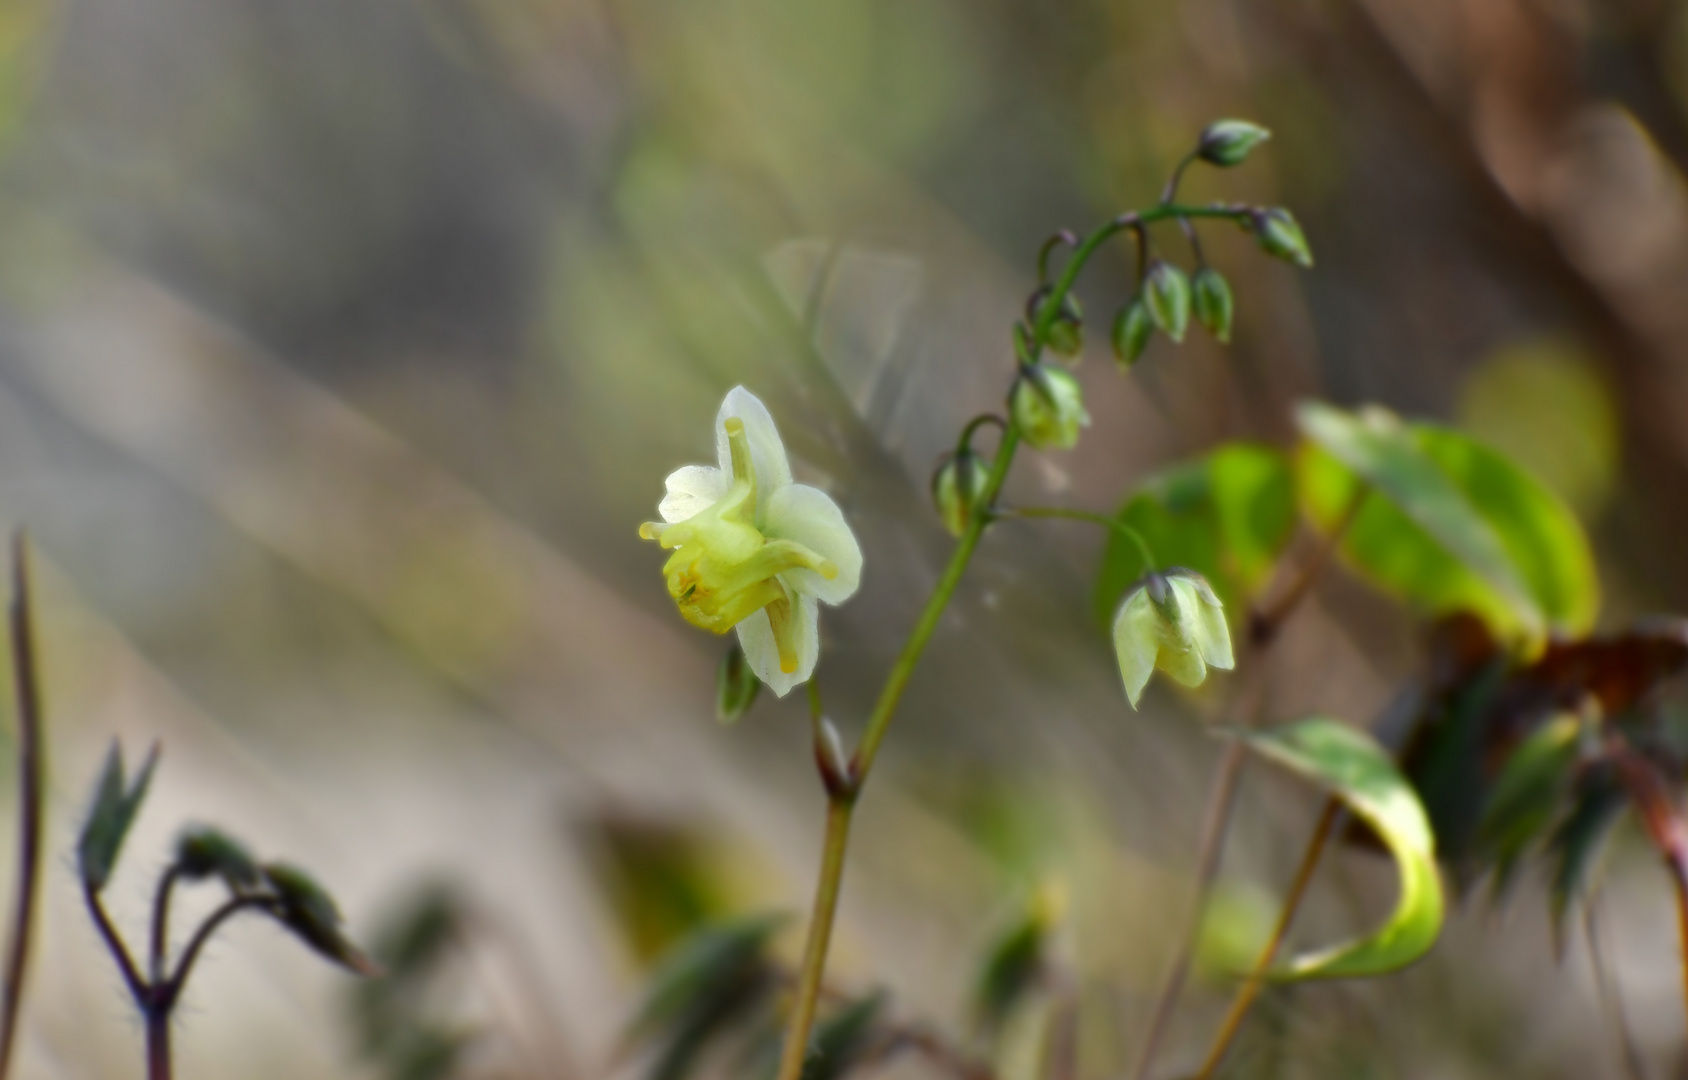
<point x="31" y="769"/>
<point x="167" y="993"/>
<point x="114" y="945"/>
<point x="1250" y="988"/>
<point x="841" y="805"/>
<point x="158" y="1044"/>
<point x="1113" y="524"/>
<point x="161" y="924"/>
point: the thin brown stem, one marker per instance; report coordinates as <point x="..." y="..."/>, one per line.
<point x="1251" y="986"/>
<point x="31" y="770"/>
<point x="114" y="944"/>
<point x="161" y="924"/>
<point x="1264" y="627"/>
<point x="1611" y="999"/>
<point x="1210" y="850"/>
<point x="169" y="991"/>
<point x="158" y="1044"/>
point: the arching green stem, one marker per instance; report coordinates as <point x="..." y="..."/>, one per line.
<point x="1112" y="524"/>
<point x="841" y="799"/>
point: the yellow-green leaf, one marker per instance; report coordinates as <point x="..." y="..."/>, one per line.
<point x="1354" y="768"/>
<point x="1451" y="524"/>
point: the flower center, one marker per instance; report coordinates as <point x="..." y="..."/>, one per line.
<point x="724" y="569"/>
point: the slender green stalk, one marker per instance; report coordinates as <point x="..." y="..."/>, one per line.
<point x="1250" y="988"/>
<point x="841" y="799"/>
<point x="1114" y="524"/>
<point x="820" y="934"/>
<point x="31" y="767"/>
<point x="1264" y="625"/>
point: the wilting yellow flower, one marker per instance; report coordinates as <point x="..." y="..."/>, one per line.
<point x="1172" y="621"/>
<point x="753" y="550"/>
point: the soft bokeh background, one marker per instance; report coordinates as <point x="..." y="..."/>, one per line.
<point x="344" y="345"/>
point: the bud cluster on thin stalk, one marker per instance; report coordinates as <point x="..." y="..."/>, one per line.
<point x="752" y="551"/>
<point x="203" y="854"/>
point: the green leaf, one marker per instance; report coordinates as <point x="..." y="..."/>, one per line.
<point x="116" y="805"/>
<point x="1451" y="525"/>
<point x="1526" y="795"/>
<point x="1355" y="769"/>
<point x="1014" y="962"/>
<point x="1226" y="516"/>
<point x="1579" y="840"/>
<point x="700" y="966"/>
<point x="736" y="686"/>
<point x="839" y="1041"/>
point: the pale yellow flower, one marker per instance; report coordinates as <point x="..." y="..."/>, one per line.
<point x="754" y="551"/>
<point x="1172" y="621"/>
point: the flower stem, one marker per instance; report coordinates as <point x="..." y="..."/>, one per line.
<point x="1114" y="524"/>
<point x="841" y="803"/>
<point x="31" y="768"/>
<point x="1250" y="988"/>
<point x="1264" y="625"/>
<point x="158" y="1044"/>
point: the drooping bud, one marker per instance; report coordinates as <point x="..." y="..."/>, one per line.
<point x="1133" y="327"/>
<point x="305" y="908"/>
<point x="1172" y="621"/>
<point x="736" y="686"/>
<point x="1210" y="296"/>
<point x="1167" y="293"/>
<point x="1229" y="142"/>
<point x="1280" y="235"/>
<point x="1066" y="329"/>
<point x="202" y="851"/>
<point x="957" y="488"/>
<point x="1048" y="407"/>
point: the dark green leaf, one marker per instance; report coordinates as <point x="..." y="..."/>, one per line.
<point x="1353" y="767"/>
<point x="701" y="966"/>
<point x="1526" y="795"/>
<point x="840" y="1040"/>
<point x="1577" y="843"/>
<point x="736" y="686"/>
<point x="116" y="805"/>
<point x="1013" y="966"/>
<point x="1226" y="516"/>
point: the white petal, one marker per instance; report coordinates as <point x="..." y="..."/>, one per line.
<point x="692" y="489"/>
<point x="756" y="637"/>
<point x="1136" y="642"/>
<point x="1213" y="637"/>
<point x="767" y="453"/>
<point x="809" y="517"/>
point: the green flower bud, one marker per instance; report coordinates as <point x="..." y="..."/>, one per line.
<point x="1280" y="235"/>
<point x="1210" y="295"/>
<point x="305" y="908"/>
<point x="1133" y="327"/>
<point x="1167" y="292"/>
<point x="1172" y="621"/>
<point x="1228" y="142"/>
<point x="957" y="487"/>
<point x="1048" y="407"/>
<point x="1066" y="331"/>
<point x="202" y="852"/>
<point x="736" y="686"/>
